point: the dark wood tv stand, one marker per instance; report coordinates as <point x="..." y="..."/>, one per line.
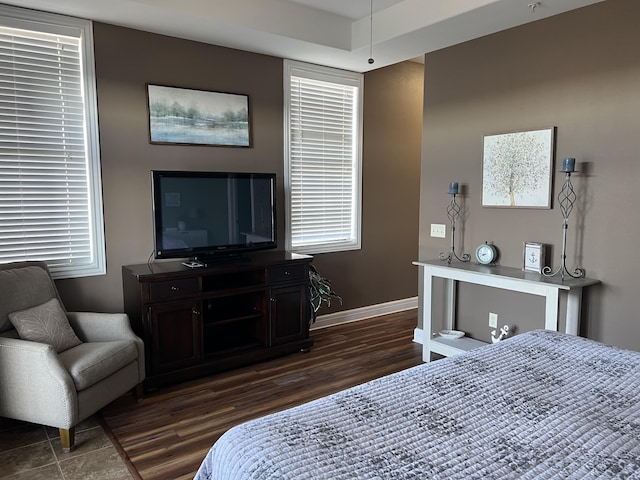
<point x="197" y="321"/>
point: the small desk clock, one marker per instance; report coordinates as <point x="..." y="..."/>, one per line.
<point x="486" y="254"/>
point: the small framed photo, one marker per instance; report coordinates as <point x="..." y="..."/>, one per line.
<point x="533" y="257"/>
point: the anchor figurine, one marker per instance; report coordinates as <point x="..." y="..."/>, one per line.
<point x="504" y="331"/>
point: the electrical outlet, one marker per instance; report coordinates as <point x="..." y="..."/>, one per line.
<point x="493" y="320"/>
<point x="438" y="230"/>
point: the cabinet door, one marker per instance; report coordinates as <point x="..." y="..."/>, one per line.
<point x="175" y="330"/>
<point x="288" y="314"/>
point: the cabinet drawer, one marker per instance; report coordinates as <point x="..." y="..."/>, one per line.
<point x="287" y="273"/>
<point x="173" y="288"/>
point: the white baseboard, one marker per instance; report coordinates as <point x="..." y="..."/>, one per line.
<point x="418" y="335"/>
<point x="347" y="316"/>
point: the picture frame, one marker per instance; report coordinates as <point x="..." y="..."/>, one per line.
<point x="533" y="256"/>
<point x="517" y="169"/>
<point x="182" y="116"/>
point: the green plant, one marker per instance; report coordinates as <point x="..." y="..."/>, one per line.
<point x="320" y="291"/>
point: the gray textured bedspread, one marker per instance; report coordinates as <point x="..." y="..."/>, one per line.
<point x="541" y="405"/>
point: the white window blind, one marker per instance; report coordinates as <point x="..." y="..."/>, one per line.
<point x="50" y="199"/>
<point x="323" y="159"/>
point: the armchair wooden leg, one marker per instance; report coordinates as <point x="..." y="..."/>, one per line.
<point x="138" y="392"/>
<point x="68" y="439"/>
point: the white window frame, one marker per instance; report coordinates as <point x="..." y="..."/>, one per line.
<point x="339" y="77"/>
<point x="82" y="30"/>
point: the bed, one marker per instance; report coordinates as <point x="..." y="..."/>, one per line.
<point x="540" y="405"/>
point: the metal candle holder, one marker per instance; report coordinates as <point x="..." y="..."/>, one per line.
<point x="566" y="198"/>
<point x="453" y="213"/>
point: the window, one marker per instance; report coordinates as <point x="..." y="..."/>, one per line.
<point x="323" y="138"/>
<point x="50" y="195"/>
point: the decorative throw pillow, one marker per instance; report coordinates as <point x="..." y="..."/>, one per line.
<point x="46" y="323"/>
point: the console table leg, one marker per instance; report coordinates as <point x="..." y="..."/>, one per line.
<point x="574" y="303"/>
<point x="426" y="314"/>
<point x="451" y="304"/>
<point x="551" y="310"/>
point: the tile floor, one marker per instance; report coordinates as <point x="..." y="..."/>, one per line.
<point x="33" y="452"/>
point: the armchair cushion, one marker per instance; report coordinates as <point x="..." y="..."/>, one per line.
<point x="24" y="286"/>
<point x="45" y="323"/>
<point x="89" y="363"/>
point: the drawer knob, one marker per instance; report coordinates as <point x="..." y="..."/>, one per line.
<point x="173" y="288"/>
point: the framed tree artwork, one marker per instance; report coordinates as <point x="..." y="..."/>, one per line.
<point x="197" y="117"/>
<point x="517" y="169"/>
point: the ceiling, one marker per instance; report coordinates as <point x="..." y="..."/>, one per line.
<point x="336" y="33"/>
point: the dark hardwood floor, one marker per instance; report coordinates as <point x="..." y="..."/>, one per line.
<point x="167" y="435"/>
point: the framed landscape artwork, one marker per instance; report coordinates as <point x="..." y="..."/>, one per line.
<point x="517" y="169"/>
<point x="197" y="117"/>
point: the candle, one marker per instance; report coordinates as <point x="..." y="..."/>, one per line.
<point x="568" y="165"/>
<point x="453" y="188"/>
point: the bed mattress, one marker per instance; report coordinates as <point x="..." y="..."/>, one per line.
<point x="541" y="405"/>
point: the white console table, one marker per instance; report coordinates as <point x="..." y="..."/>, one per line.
<point x="506" y="278"/>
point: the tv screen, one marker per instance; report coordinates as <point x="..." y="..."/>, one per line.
<point x="201" y="215"/>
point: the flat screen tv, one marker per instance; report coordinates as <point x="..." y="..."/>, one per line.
<point x="208" y="215"/>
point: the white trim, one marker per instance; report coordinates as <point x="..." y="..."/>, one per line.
<point x="418" y="335"/>
<point x="362" y="313"/>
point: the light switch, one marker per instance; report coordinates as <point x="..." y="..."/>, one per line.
<point x="438" y="230"/>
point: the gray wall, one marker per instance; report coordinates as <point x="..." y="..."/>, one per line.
<point x="126" y="59"/>
<point x="580" y="72"/>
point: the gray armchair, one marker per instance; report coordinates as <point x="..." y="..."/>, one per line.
<point x="60" y="389"/>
